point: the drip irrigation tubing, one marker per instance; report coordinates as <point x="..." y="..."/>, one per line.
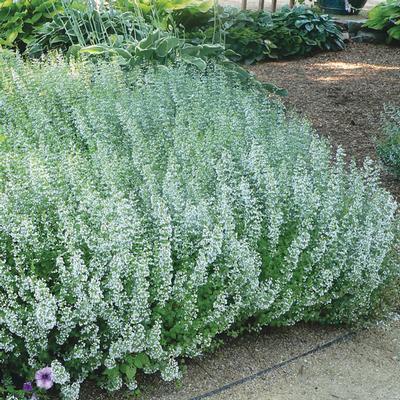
<point x="275" y="367"/>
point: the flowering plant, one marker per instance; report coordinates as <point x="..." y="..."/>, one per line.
<point x="143" y="213"/>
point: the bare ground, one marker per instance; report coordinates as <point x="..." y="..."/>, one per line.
<point x="343" y="94"/>
<point x="364" y="367"/>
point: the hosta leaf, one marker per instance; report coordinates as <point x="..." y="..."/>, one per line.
<point x="11" y="38"/>
<point x="95" y="49"/>
<point x="34" y="19"/>
<point x="198" y="62"/>
<point x="211" y="49"/>
<point x="6" y="3"/>
<point x="394" y="32"/>
<point x="190" y="50"/>
<point x="165" y="45"/>
<point x="123" y="53"/>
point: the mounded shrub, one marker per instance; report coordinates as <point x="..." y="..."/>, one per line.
<point x="144" y="213"/>
<point x="260" y="35"/>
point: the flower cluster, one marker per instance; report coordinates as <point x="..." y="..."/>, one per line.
<point x="144" y="213"/>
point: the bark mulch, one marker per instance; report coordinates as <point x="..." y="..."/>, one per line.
<point x="343" y="94"/>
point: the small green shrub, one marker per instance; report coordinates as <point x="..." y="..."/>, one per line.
<point x="143" y="213"/>
<point x="389" y="148"/>
<point x="257" y="35"/>
<point x="386" y="16"/>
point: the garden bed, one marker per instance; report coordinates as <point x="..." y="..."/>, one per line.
<point x="343" y="95"/>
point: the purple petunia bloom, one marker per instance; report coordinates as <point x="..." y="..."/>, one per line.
<point x="44" y="378"/>
<point x="27" y="387"/>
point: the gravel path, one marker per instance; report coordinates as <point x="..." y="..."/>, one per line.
<point x="363" y="367"/>
<point x="342" y="94"/>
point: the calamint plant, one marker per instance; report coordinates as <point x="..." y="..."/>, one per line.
<point x="143" y="213"/>
<point x="389" y="147"/>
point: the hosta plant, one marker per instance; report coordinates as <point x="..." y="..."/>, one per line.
<point x="165" y="12"/>
<point x="19" y="19"/>
<point x="143" y="213"/>
<point x="258" y="35"/>
<point x="386" y="16"/>
<point x="87" y="27"/>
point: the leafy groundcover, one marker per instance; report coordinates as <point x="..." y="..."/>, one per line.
<point x="144" y="213"/>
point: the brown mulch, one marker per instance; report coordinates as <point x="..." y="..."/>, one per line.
<point x="343" y="95"/>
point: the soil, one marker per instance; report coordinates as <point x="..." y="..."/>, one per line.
<point x="343" y="94"/>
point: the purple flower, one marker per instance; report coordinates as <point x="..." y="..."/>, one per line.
<point x="44" y="378"/>
<point x="27" y="387"/>
<point x="34" y="397"/>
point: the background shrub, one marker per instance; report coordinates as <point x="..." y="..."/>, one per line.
<point x="144" y="213"/>
<point x="37" y="27"/>
<point x="389" y="148"/>
<point x="258" y="35"/>
<point x="386" y="16"/>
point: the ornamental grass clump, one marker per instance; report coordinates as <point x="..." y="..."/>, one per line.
<point x="143" y="213"/>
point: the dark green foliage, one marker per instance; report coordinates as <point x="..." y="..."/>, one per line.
<point x="389" y="148"/>
<point x="257" y="35"/>
<point x="386" y="16"/>
<point x="19" y="19"/>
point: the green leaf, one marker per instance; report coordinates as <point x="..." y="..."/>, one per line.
<point x="130" y="372"/>
<point x="11" y="38"/>
<point x="34" y="19"/>
<point x="95" y="49"/>
<point x="190" y="50"/>
<point x="112" y="373"/>
<point x="123" y="53"/>
<point x="198" y="62"/>
<point x="150" y="40"/>
<point x="211" y="49"/>
<point x="141" y="360"/>
<point x="166" y="45"/>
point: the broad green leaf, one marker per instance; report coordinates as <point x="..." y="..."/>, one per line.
<point x="34" y="19"/>
<point x="11" y="38"/>
<point x="95" y="49"/>
<point x="165" y="45"/>
<point x="141" y="360"/>
<point x="190" y="50"/>
<point x="198" y="62"/>
<point x="123" y="53"/>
